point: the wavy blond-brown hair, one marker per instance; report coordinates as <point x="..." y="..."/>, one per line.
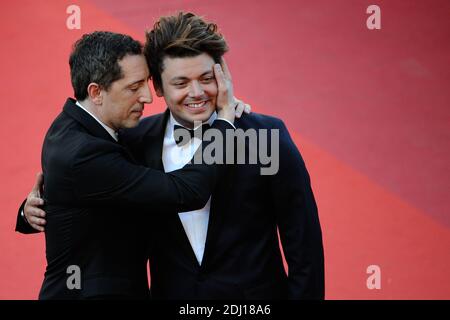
<point x="182" y="35"/>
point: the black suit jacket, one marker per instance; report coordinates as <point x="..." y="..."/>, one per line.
<point x="96" y="199"/>
<point x="242" y="259"/>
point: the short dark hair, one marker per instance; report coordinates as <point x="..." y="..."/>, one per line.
<point x="95" y="58"/>
<point x="178" y="36"/>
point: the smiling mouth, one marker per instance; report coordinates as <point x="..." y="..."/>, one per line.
<point x="196" y="105"/>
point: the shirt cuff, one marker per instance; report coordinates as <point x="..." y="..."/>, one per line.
<point x="227" y="121"/>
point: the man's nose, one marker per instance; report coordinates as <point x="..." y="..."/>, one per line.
<point x="196" y="89"/>
<point x="146" y="96"/>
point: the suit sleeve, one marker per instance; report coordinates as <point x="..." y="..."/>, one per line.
<point x="21" y="225"/>
<point x="102" y="176"/>
<point x="298" y="222"/>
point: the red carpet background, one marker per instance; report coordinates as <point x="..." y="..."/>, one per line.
<point x="369" y="110"/>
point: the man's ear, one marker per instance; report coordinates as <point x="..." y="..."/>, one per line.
<point x="158" y="90"/>
<point x="95" y="93"/>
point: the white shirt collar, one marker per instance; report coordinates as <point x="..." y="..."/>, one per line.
<point x="111" y="131"/>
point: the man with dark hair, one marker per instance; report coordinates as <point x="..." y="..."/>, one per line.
<point x="95" y="58"/>
<point x="229" y="249"/>
<point x="96" y="194"/>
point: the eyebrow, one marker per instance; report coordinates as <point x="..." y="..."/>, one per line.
<point x="138" y="81"/>
<point x="185" y="78"/>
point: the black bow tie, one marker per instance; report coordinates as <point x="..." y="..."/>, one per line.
<point x="179" y="132"/>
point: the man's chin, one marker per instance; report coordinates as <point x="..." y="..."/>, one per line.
<point x="130" y="124"/>
<point x="201" y="117"/>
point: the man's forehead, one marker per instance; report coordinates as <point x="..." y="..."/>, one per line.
<point x="132" y="61"/>
<point x="175" y="67"/>
<point x="134" y="68"/>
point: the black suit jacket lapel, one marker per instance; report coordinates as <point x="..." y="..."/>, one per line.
<point x="153" y="142"/>
<point x="86" y="120"/>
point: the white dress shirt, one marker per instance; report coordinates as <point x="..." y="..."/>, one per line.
<point x="195" y="223"/>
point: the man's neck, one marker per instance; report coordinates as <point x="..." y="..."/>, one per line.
<point x="86" y="106"/>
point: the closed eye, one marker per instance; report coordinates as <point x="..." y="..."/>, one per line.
<point x="208" y="79"/>
<point x="135" y="87"/>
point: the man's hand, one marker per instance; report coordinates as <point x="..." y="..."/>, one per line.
<point x="242" y="107"/>
<point x="33" y="214"/>
<point x="226" y="103"/>
<point x="227" y="97"/>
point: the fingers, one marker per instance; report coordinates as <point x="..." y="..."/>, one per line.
<point x="35" y="218"/>
<point x="242" y="107"/>
<point x="38" y="228"/>
<point x="220" y="78"/>
<point x="38" y="183"/>
<point x="239" y="109"/>
<point x="34" y="201"/>
<point x="225" y="98"/>
<point x="225" y="69"/>
<point x="37" y="223"/>
<point x="33" y="212"/>
<point x="225" y="103"/>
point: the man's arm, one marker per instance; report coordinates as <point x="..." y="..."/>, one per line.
<point x="105" y="176"/>
<point x="22" y="224"/>
<point x="298" y="223"/>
